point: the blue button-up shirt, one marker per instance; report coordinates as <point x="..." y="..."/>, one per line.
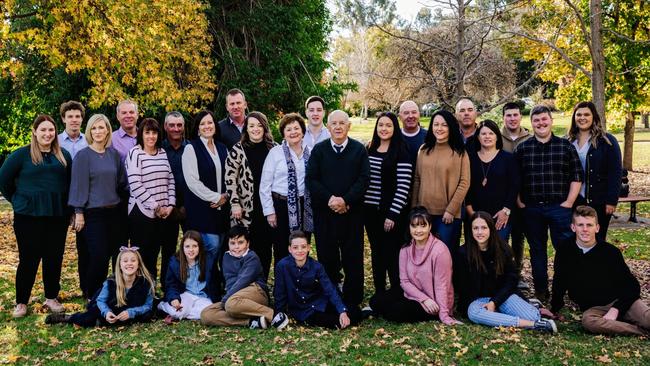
<point x="304" y="290"/>
<point x="73" y="146"/>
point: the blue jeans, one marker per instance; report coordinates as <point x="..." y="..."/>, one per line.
<point x="211" y="242"/>
<point x="539" y="219"/>
<point x="448" y="233"/>
<point x="507" y="314"/>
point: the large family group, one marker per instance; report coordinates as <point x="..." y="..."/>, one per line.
<point x="243" y="200"/>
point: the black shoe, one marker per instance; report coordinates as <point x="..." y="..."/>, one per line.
<point x="366" y="312"/>
<point x="545" y="325"/>
<point x="55" y="318"/>
<point x="258" y="323"/>
<point x="280" y="320"/>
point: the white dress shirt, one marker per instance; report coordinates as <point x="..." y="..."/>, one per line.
<point x="275" y="177"/>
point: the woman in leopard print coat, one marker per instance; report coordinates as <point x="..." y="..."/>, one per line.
<point x="243" y="175"/>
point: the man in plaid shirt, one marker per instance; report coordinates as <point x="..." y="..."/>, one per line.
<point x="551" y="176"/>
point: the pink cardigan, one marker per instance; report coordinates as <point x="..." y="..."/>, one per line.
<point x="428" y="276"/>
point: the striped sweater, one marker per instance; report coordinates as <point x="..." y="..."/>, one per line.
<point x="151" y="181"/>
<point x="393" y="196"/>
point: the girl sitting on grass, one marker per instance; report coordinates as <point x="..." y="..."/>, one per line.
<point x="123" y="299"/>
<point x="488" y="281"/>
<point x="189" y="286"/>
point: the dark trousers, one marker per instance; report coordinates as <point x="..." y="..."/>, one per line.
<point x="539" y="220"/>
<point x="281" y="232"/>
<point x="150" y="235"/>
<point x="393" y="306"/>
<point x="330" y="317"/>
<point x="384" y="248"/>
<point x="169" y="240"/>
<point x="339" y="245"/>
<point x="97" y="243"/>
<point x="39" y="238"/>
<point x="516" y="222"/>
<point x="262" y="239"/>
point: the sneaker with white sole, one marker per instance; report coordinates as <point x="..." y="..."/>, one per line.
<point x="20" y="311"/>
<point x="280" y="320"/>
<point x="258" y="323"/>
<point x="545" y="325"/>
<point x="53" y="305"/>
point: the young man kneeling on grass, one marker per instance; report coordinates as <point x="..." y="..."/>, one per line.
<point x="303" y="289"/>
<point x="246" y="300"/>
<point x="598" y="280"/>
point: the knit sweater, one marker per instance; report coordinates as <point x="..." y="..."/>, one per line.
<point x="150" y="180"/>
<point x="342" y="174"/>
<point x="426" y="274"/>
<point x="595" y="278"/>
<point x="241" y="272"/>
<point x="36" y="190"/>
<point x="441" y="180"/>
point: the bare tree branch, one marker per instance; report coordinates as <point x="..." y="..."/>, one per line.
<point x="626" y="38"/>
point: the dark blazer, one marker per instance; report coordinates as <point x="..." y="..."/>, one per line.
<point x="174" y="287"/>
<point x="603" y="172"/>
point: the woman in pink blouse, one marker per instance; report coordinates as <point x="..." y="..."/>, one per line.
<point x="426" y="291"/>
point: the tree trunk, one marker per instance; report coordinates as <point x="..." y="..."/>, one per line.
<point x="598" y="61"/>
<point x="645" y="118"/>
<point x="461" y="67"/>
<point x="629" y="140"/>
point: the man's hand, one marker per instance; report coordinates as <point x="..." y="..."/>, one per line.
<point x="272" y="220"/>
<point x="612" y="314"/>
<point x="337" y="204"/>
<point x="610" y="209"/>
<point x="490" y="306"/>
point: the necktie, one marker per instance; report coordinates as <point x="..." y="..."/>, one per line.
<point x="338" y="148"/>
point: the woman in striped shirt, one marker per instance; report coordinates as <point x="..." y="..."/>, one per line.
<point x="153" y="193"/>
<point x="386" y="199"/>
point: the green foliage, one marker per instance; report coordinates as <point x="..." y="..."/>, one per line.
<point x="274" y="52"/>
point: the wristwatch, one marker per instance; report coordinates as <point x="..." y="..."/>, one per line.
<point x="506" y="211"/>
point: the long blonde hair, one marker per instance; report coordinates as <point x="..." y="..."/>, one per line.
<point x="35" y="152"/>
<point x="91" y="122"/>
<point x="120" y="284"/>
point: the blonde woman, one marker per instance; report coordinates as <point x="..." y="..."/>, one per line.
<point x="98" y="182"/>
<point x="35" y="180"/>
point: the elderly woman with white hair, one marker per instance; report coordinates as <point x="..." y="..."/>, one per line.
<point x="98" y="183"/>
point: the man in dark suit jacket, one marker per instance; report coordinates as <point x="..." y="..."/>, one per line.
<point x="337" y="177"/>
<point x="230" y="127"/>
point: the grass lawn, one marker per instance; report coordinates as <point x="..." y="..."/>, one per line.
<point x="29" y="341"/>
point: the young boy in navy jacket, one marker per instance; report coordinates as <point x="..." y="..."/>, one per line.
<point x="303" y="289"/>
<point x="246" y="298"/>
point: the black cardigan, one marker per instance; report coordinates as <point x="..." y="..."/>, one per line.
<point x="603" y="172"/>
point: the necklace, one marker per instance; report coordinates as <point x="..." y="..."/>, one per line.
<point x="486" y="171"/>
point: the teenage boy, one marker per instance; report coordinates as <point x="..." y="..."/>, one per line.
<point x="246" y="298"/>
<point x="598" y="280"/>
<point x="303" y="289"/>
<point x="72" y="114"/>
<point x="316" y="130"/>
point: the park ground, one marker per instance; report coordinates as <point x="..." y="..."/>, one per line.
<point x="30" y="341"/>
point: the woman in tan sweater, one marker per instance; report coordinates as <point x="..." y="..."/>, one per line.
<point x="442" y="177"/>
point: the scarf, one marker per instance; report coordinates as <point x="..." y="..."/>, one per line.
<point x="293" y="198"/>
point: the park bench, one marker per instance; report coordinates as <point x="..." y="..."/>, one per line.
<point x="633" y="200"/>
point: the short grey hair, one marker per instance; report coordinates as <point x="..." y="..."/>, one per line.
<point x="126" y="101"/>
<point x="174" y="114"/>
<point x="347" y="117"/>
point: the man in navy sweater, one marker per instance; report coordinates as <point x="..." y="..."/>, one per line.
<point x="598" y="280"/>
<point x="337" y="177"/>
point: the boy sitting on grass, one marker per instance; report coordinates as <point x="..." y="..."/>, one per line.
<point x="246" y="300"/>
<point x="303" y="289"/>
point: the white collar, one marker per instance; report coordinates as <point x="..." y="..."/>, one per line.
<point x="343" y="145"/>
<point x="407" y="134"/>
